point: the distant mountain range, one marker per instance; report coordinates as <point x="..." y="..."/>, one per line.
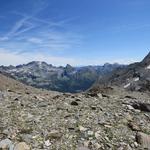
<point x="63" y="79"/>
<point x="134" y="77"/>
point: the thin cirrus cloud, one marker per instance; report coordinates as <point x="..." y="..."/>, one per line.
<point x="73" y="31"/>
<point x="129" y="27"/>
<point x="35" y="40"/>
<point x="15" y="58"/>
<point x="20" y="26"/>
<point x="31" y="33"/>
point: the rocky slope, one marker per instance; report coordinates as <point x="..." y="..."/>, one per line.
<point x="135" y="77"/>
<point x="42" y="120"/>
<point x="63" y="79"/>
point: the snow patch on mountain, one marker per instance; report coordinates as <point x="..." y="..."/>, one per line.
<point x="148" y="67"/>
<point x="127" y="85"/>
<point x="136" y="79"/>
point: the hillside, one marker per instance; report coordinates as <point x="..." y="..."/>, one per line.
<point x="42" y="120"/>
<point x="62" y="79"/>
<point x="135" y="77"/>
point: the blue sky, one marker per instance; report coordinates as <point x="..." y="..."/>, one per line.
<point x="78" y="32"/>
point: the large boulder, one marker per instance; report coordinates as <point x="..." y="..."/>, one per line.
<point x="143" y="139"/>
<point x="22" y="146"/>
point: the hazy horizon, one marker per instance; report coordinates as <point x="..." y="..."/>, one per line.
<point x="78" y="33"/>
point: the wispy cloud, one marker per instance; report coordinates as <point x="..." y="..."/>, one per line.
<point x="45" y="34"/>
<point x="130" y="27"/>
<point x="37" y="20"/>
<point x="14" y="58"/>
<point x="17" y="29"/>
<point x="30" y="34"/>
<point x="35" y="40"/>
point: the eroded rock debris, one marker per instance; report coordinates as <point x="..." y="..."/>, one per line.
<point x="34" y="119"/>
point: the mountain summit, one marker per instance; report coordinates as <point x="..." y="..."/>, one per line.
<point x="146" y="60"/>
<point x="135" y="77"/>
<point x="63" y="79"/>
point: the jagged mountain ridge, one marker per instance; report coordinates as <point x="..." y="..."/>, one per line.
<point x="63" y="79"/>
<point x="135" y="76"/>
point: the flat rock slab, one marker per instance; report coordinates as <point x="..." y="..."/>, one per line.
<point x="83" y="148"/>
<point x="6" y="144"/>
<point x="143" y="139"/>
<point x="22" y="146"/>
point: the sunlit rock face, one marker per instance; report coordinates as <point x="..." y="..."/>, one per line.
<point x="134" y="77"/>
<point x="63" y="79"/>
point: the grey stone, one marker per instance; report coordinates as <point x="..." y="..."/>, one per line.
<point x="6" y="144"/>
<point x="143" y="139"/>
